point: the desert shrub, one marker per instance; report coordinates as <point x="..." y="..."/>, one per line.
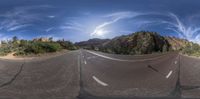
<point x="192" y="49"/>
<point x="4" y="51"/>
<point x="42" y="47"/>
<point x="67" y="45"/>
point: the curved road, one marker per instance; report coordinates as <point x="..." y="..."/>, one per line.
<point x="94" y="75"/>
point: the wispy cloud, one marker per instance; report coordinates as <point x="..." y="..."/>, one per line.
<point x="169" y="21"/>
<point x="71" y="28"/>
<point x="72" y="25"/>
<point x="51" y="16"/>
<point x="188" y="31"/>
<point x="49" y="29"/>
<point x="20" y="17"/>
<point x="115" y="17"/>
<point x="18" y="27"/>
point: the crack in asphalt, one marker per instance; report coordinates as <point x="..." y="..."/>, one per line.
<point x="14" y="77"/>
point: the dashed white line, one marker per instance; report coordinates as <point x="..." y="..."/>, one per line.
<point x="169" y="74"/>
<point x="78" y="64"/>
<point x="175" y="62"/>
<point x="85" y="62"/>
<point x="99" y="81"/>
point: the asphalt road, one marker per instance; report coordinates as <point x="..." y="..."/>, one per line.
<point x="53" y="78"/>
<point x="94" y="75"/>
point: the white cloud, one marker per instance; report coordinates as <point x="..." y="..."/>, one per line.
<point x="189" y="31"/>
<point x="20" y="17"/>
<point x="115" y="17"/>
<point x="185" y="31"/>
<point x="18" y="27"/>
<point x="51" y="16"/>
<point x="71" y="28"/>
<point x="49" y="29"/>
<point x="72" y="25"/>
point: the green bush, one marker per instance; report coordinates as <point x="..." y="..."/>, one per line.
<point x="25" y="47"/>
<point x="4" y="51"/>
<point x="192" y="49"/>
<point x="67" y="45"/>
<point x="42" y="47"/>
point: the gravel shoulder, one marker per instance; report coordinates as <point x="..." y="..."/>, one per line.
<point x="33" y="57"/>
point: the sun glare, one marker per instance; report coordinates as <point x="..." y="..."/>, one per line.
<point x="100" y="33"/>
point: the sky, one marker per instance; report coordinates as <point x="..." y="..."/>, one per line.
<point x="79" y="20"/>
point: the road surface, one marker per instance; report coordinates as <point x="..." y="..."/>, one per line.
<point x="53" y="78"/>
<point x="87" y="74"/>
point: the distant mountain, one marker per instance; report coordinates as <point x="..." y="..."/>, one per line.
<point x="92" y="43"/>
<point x="136" y="43"/>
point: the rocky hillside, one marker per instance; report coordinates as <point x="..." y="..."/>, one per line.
<point x="177" y="43"/>
<point x="136" y="43"/>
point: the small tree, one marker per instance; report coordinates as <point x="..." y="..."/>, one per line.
<point x="15" y="39"/>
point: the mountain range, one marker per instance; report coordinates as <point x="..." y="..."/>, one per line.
<point x="142" y="42"/>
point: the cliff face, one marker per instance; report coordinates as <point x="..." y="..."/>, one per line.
<point x="138" y="43"/>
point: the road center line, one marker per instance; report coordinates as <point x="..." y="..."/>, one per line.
<point x="78" y="63"/>
<point x="99" y="81"/>
<point x="175" y="62"/>
<point x="85" y="61"/>
<point x="168" y="75"/>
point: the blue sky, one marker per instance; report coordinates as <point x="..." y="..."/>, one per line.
<point x="78" y="20"/>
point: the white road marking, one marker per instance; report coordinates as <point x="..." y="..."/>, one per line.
<point x="175" y="62"/>
<point x="85" y="62"/>
<point x="168" y="75"/>
<point x="78" y="63"/>
<point x="99" y="81"/>
<point x="121" y="59"/>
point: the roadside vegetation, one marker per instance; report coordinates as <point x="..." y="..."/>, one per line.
<point x="22" y="47"/>
<point x="143" y="42"/>
<point x="192" y="49"/>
